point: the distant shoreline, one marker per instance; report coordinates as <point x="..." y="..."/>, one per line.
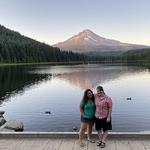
<point x="56" y="63"/>
<point x="75" y="63"/>
<point x="40" y="63"/>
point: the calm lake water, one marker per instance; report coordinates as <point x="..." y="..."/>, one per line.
<point x="26" y="92"/>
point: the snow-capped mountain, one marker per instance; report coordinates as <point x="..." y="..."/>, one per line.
<point x="88" y="41"/>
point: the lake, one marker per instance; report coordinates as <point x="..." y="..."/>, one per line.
<point x="26" y="92"/>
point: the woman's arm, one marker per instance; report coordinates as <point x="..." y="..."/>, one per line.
<point x="109" y="114"/>
<point x="82" y="109"/>
<point x="109" y="109"/>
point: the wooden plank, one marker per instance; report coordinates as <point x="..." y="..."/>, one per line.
<point x="122" y="145"/>
<point x="25" y="144"/>
<point x="136" y="145"/>
<point x="33" y="144"/>
<point x="6" y="144"/>
<point x="110" y="145"/>
<point x="146" y="144"/>
<point x="53" y="144"/>
<point x="71" y="144"/>
<point x="78" y="147"/>
<point x="67" y="144"/>
<point x="93" y="146"/>
<point x="39" y="144"/>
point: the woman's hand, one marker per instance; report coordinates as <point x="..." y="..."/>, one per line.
<point x="108" y="119"/>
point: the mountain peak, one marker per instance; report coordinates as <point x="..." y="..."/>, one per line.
<point x="88" y="41"/>
<point x="87" y="31"/>
<point x="81" y="36"/>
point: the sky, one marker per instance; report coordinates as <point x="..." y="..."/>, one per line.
<point x="53" y="21"/>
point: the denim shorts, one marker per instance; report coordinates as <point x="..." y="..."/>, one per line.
<point x="86" y="120"/>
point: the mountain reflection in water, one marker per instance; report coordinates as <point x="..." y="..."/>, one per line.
<point x="91" y="76"/>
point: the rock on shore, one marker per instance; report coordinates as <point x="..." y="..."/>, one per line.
<point x="13" y="125"/>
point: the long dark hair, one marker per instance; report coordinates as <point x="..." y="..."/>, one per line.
<point x="85" y="97"/>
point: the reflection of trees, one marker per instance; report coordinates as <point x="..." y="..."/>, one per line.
<point x="92" y="77"/>
<point x="15" y="79"/>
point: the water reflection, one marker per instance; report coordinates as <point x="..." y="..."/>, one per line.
<point x="14" y="80"/>
<point x="92" y="75"/>
<point x="59" y="89"/>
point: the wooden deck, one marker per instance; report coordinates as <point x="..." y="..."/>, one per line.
<point x="72" y="144"/>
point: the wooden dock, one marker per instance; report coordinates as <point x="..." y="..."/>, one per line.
<point x="46" y="141"/>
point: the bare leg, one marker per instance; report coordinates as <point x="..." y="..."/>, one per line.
<point x="104" y="136"/>
<point x="83" y="127"/>
<point x="99" y="135"/>
<point x="89" y="130"/>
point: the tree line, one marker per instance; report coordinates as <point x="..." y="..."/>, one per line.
<point x="137" y="55"/>
<point x="16" y="48"/>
